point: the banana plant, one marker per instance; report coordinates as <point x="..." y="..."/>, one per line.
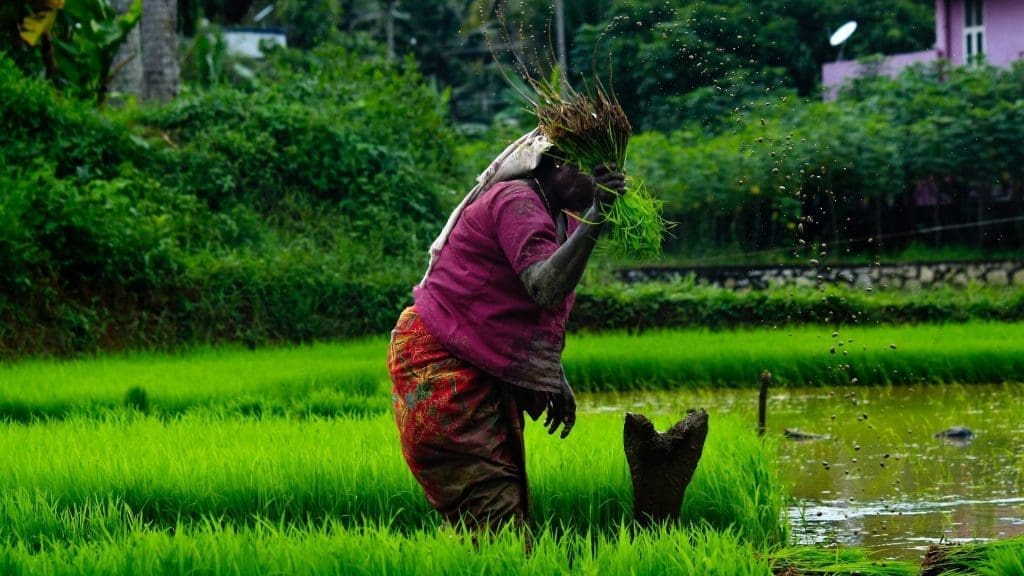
<point x="78" y="40"/>
<point x="39" y="21"/>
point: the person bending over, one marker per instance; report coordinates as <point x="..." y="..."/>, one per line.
<point x="482" y="343"/>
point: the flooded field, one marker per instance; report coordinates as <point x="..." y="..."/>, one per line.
<point x="865" y="467"/>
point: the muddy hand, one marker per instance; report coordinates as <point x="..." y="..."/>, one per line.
<point x="608" y="184"/>
<point x="561" y="410"/>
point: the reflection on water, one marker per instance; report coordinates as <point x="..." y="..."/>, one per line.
<point x="879" y="477"/>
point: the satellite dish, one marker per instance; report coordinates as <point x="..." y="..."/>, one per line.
<point x="264" y="13"/>
<point x="843" y="33"/>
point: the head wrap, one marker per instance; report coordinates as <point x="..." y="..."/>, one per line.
<point x="516" y="161"/>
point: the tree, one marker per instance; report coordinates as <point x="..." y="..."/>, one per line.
<point x="73" y="42"/>
<point x="126" y="70"/>
<point x="381" y="16"/>
<point x="161" y="75"/>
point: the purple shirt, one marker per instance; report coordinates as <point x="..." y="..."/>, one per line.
<point x="476" y="305"/>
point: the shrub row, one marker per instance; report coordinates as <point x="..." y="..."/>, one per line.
<point x="677" y="305"/>
<point x="251" y="303"/>
<point x="260" y="303"/>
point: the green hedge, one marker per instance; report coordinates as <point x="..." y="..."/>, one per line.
<point x="255" y="303"/>
<point x="291" y="301"/>
<point x="678" y="305"/>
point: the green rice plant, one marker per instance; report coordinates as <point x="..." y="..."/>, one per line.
<point x="807" y="560"/>
<point x="215" y="547"/>
<point x="319" y="379"/>
<point x="739" y="482"/>
<point x="168" y="471"/>
<point x="350" y="378"/>
<point x="637" y="223"/>
<point x="736" y="486"/>
<point x="797" y="355"/>
<point x="330" y="547"/>
<point x="1005" y="560"/>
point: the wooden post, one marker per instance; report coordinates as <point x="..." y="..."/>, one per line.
<point x="762" y="401"/>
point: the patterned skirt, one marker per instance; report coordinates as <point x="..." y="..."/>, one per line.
<point x="461" y="430"/>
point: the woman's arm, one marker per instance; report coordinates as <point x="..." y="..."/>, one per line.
<point x="549" y="281"/>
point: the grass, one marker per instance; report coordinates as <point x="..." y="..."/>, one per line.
<point x="351" y="378"/>
<point x="179" y="479"/>
<point x="349" y="469"/>
<point x="216" y="548"/>
<point x="972" y="352"/>
<point x="125" y="493"/>
<point x="324" y="379"/>
<point x="807" y="560"/>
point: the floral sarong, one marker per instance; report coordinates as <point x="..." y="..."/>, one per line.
<point x="461" y="430"/>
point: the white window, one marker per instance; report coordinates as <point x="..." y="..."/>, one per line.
<point x="974" y="31"/>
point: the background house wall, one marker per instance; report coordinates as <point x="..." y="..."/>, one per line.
<point x="953" y="30"/>
<point x="1005" y="31"/>
<point x="1003" y="44"/>
<point x="833" y="74"/>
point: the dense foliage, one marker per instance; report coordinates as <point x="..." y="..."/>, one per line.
<point x="676" y="62"/>
<point x="295" y="200"/>
<point x="892" y="161"/>
<point x="668" y="59"/>
<point x="258" y="215"/>
<point x="73" y="45"/>
<point x="929" y="157"/>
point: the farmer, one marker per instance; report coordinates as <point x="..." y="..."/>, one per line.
<point x="483" y="342"/>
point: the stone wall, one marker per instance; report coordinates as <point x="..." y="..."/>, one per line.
<point x="910" y="275"/>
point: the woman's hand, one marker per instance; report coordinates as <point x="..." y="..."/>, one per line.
<point x="608" y="184"/>
<point x="561" y="410"/>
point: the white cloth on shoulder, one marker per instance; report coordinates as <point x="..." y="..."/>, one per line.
<point x="516" y="161"/>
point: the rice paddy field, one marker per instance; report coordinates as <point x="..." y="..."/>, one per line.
<point x="863" y="468"/>
<point x="232" y="461"/>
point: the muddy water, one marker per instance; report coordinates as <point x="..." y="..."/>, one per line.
<point x="878" y="477"/>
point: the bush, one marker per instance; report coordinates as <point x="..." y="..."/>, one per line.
<point x="682" y="305"/>
<point x="325" y="136"/>
<point x="37" y="124"/>
<point x="261" y="215"/>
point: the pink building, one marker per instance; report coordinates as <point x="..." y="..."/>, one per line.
<point x="964" y="29"/>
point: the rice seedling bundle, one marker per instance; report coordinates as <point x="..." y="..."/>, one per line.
<point x="807" y="560"/>
<point x="991" y="558"/>
<point x="592" y="130"/>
